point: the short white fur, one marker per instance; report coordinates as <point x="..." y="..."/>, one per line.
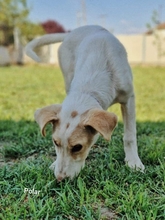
<point x="97" y="75"/>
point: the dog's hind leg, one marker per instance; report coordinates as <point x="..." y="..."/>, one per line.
<point x="66" y="61"/>
<point x="130" y="141"/>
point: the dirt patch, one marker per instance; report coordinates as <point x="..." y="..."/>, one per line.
<point x="3" y="160"/>
<point x="107" y="214"/>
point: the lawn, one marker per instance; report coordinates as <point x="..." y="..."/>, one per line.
<point x="105" y="188"/>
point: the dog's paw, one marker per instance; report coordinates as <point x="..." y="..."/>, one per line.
<point x="135" y="164"/>
<point x="52" y="166"/>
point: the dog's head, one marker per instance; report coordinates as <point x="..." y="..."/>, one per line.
<point x="74" y="134"/>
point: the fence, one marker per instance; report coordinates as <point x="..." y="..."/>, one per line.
<point x="141" y="49"/>
<point x="144" y="49"/>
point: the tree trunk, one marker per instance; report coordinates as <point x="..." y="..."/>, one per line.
<point x="18" y="46"/>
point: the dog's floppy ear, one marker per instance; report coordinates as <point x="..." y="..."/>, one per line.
<point x="45" y="115"/>
<point x="102" y="121"/>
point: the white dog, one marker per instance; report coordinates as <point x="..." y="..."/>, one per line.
<point x="97" y="75"/>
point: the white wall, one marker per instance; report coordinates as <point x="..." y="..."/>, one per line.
<point x="140" y="49"/>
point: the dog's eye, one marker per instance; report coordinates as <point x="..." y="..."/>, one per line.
<point x="76" y="148"/>
<point x="56" y="143"/>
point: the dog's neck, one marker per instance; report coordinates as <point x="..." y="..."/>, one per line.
<point x="80" y="102"/>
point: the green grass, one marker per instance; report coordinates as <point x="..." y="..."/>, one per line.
<point x="105" y="184"/>
<point x="24" y="89"/>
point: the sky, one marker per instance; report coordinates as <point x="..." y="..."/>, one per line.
<point x="118" y="16"/>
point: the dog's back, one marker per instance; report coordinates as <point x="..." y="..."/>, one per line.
<point x="93" y="50"/>
<point x="97" y="74"/>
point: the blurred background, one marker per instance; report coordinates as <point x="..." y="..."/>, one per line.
<point x="106" y="187"/>
<point x="139" y="25"/>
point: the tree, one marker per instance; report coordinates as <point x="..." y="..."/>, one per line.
<point x="153" y="28"/>
<point x="30" y="30"/>
<point x="14" y="15"/>
<point x="51" y="26"/>
<point x="13" y="12"/>
<point x="14" y="25"/>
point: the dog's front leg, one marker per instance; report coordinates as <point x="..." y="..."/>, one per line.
<point x="130" y="141"/>
<point x="52" y="166"/>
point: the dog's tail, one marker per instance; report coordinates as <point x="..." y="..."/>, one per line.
<point x="44" y="40"/>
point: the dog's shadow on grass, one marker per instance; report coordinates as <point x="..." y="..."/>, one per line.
<point x="25" y="157"/>
<point x="22" y="140"/>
